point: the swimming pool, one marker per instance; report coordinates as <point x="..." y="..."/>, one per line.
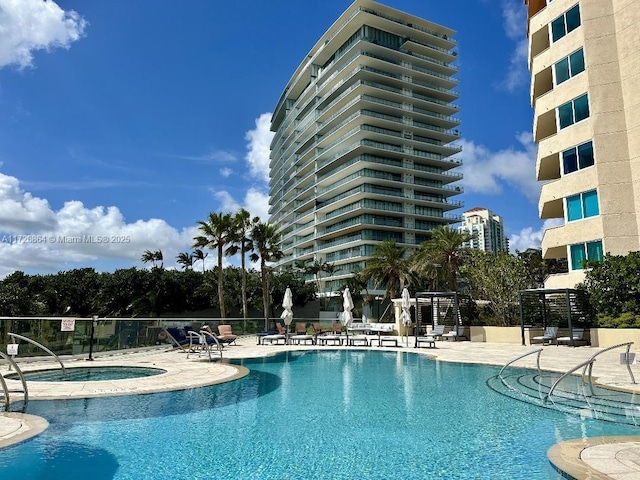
<point x="302" y="415"/>
<point x="88" y="374"/>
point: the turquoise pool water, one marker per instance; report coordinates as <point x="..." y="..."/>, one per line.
<point x="89" y="374"/>
<point x="306" y="415"/>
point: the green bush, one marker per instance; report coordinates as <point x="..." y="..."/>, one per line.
<point x="625" y="320"/>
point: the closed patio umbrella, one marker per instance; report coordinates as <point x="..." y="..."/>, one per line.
<point x="287" y="314"/>
<point x="405" y="316"/>
<point x="347" y="305"/>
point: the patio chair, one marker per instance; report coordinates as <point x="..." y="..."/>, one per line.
<point x="436" y="332"/>
<point x="577" y="335"/>
<point x="301" y="328"/>
<point x="281" y="335"/>
<point x="455" y="333"/>
<point x="549" y="335"/>
<point x="226" y="334"/>
<point x="337" y="328"/>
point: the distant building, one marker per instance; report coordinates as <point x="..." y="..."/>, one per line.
<point x="585" y="69"/>
<point x="364" y="146"/>
<point x="488" y="229"/>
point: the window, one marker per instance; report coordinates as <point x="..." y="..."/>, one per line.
<point x="569" y="66"/>
<point x="573" y="111"/>
<point x="581" y="252"/>
<point x="565" y="23"/>
<point x="583" y="205"/>
<point x="577" y="158"/>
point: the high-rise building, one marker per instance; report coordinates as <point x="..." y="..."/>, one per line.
<point x="363" y="147"/>
<point x="585" y="78"/>
<point x="487" y="229"/>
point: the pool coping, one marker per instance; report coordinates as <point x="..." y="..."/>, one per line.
<point x="18" y="427"/>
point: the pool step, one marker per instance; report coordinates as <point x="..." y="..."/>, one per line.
<point x="570" y="396"/>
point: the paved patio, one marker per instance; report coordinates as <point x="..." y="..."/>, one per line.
<point x="601" y="458"/>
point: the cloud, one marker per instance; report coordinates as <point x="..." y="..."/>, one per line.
<point x="30" y="25"/>
<point x="255" y="202"/>
<point x="485" y="170"/>
<point x="530" y="238"/>
<point x="226" y="172"/>
<point x="259" y="141"/>
<point x="211" y="157"/>
<point x="514" y="15"/>
<point x="36" y="238"/>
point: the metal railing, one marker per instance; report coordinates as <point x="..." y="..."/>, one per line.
<point x="13" y="336"/>
<point x="5" y="388"/>
<point x="589" y="367"/>
<point x="566" y="374"/>
<point x="538" y="351"/>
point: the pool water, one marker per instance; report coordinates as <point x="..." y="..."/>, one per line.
<point x="307" y="415"/>
<point x="89" y="374"/>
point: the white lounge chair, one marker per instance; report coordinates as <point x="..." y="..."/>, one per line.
<point x="576" y="336"/>
<point x="455" y="333"/>
<point x="550" y="335"/>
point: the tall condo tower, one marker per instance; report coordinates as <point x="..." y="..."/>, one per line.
<point x="363" y="149"/>
<point x="487" y="228"/>
<point x="585" y="78"/>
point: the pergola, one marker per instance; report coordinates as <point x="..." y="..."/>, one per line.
<point x="544" y="307"/>
<point x="443" y="306"/>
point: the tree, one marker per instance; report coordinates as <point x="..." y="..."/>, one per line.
<point x="153" y="257"/>
<point x="387" y="267"/>
<point x="443" y="254"/>
<point x="266" y="243"/>
<point x="315" y="268"/>
<point x="539" y="269"/>
<point x="186" y="260"/>
<point x="216" y="233"/>
<point x="613" y="285"/>
<point x="241" y="241"/>
<point x="198" y="254"/>
<point x="497" y="279"/>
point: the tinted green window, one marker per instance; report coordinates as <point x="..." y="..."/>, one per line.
<point x="574" y="208"/>
<point x="590" y="203"/>
<point x="557" y="29"/>
<point x="570" y="161"/>
<point x="594" y="251"/>
<point x="581" y="105"/>
<point x="565" y="115"/>
<point x="576" y="60"/>
<point x="585" y="155"/>
<point x="577" y="256"/>
<point x="562" y="71"/>
<point x="573" y="18"/>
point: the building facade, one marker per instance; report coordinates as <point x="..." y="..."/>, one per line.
<point x="487" y="229"/>
<point x="363" y="148"/>
<point x="585" y="78"/>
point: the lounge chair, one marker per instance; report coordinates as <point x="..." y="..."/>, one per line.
<point x="302" y="337"/>
<point x="455" y="333"/>
<point x="281" y="335"/>
<point x="436" y="332"/>
<point x="301" y="328"/>
<point x="337" y="328"/>
<point x="549" y="335"/>
<point x="576" y="336"/>
<point x="226" y="334"/>
<point x="325" y="339"/>
<point x="354" y="339"/>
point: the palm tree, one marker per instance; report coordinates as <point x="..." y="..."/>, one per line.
<point x="387" y="266"/>
<point x="198" y="254"/>
<point x="241" y="238"/>
<point x="216" y="232"/>
<point x="442" y="254"/>
<point x="266" y="243"/>
<point x="153" y="257"/>
<point x="316" y="268"/>
<point x="186" y="260"/>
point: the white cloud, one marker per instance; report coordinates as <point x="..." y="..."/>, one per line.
<point x="36" y="238"/>
<point x="209" y="158"/>
<point x="485" y="170"/>
<point x="227" y="203"/>
<point x="226" y="172"/>
<point x="255" y="202"/>
<point x="30" y="25"/>
<point x="530" y="238"/>
<point x="514" y="14"/>
<point x="259" y="141"/>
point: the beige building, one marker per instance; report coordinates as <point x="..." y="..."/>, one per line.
<point x="487" y="229"/>
<point x="584" y="58"/>
<point x="364" y="146"/>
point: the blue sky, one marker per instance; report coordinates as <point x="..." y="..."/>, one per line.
<point x="129" y="121"/>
